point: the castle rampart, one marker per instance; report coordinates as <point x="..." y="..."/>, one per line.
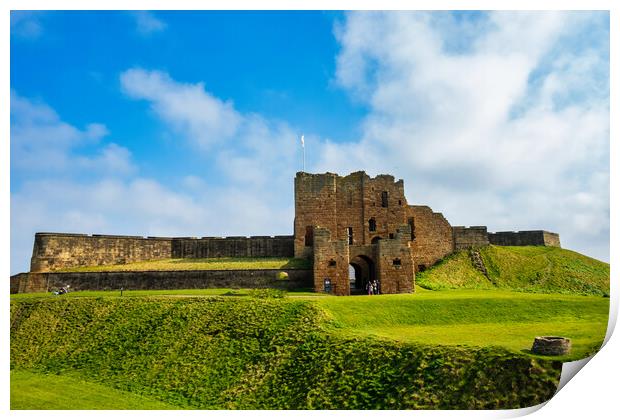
<point x="55" y="251"/>
<point x="525" y="237"/>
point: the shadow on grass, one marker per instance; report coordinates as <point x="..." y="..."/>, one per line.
<point x="298" y="263"/>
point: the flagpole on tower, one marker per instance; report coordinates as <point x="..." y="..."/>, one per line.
<point x="303" y="147"/>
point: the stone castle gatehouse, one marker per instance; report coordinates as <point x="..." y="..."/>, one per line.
<point x="366" y="223"/>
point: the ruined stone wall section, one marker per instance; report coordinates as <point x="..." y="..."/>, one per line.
<point x="331" y="261"/>
<point x="432" y="236"/>
<point x="315" y="205"/>
<point x="525" y="238"/>
<point x="346" y="205"/>
<point x="470" y="237"/>
<point x="395" y="264"/>
<point x="388" y="214"/>
<point x="54" y="251"/>
<point x="239" y="247"/>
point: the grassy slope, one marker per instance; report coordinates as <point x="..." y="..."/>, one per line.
<point x="471" y="317"/>
<point x="38" y="391"/>
<point x="526" y="268"/>
<point x="227" y="263"/>
<point x="474" y="317"/>
<point x="270" y="353"/>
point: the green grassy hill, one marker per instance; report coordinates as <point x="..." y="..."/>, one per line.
<point x="463" y="345"/>
<point x="523" y="268"/>
<point x="245" y="353"/>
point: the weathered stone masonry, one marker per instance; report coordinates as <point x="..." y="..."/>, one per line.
<point x="527" y="237"/>
<point x="55" y="251"/>
<point x="366" y="223"/>
<point x="343" y="224"/>
<point x="161" y="280"/>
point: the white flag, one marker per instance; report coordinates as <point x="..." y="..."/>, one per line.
<point x="302" y="141"/>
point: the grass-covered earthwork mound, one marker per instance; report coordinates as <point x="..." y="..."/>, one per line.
<point x="260" y="353"/>
<point x="226" y="263"/>
<point x="522" y="268"/>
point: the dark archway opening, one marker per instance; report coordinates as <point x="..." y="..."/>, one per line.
<point x="361" y="272"/>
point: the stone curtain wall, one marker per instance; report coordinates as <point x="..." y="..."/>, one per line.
<point x="54" y="251"/>
<point x="470" y="237"/>
<point x="253" y="246"/>
<point x="162" y="280"/>
<point x="477" y="236"/>
<point x="432" y="234"/>
<point x="525" y="237"/>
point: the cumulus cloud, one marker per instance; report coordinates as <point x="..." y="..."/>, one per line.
<point x="509" y="129"/>
<point x="41" y="143"/>
<point x="147" y="23"/>
<point x="192" y="111"/>
<point x="248" y="149"/>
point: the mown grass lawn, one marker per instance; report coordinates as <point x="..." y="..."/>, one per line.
<point x="32" y="390"/>
<point x="174" y="264"/>
<point x="474" y="317"/>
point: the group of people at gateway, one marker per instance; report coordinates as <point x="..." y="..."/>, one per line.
<point x="373" y="287"/>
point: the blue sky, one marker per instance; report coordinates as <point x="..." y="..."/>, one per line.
<point x="188" y="123"/>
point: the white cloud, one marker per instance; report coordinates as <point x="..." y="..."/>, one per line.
<point x="510" y="130"/>
<point x="147" y="23"/>
<point x="42" y="143"/>
<point x="250" y="151"/>
<point x="193" y="112"/>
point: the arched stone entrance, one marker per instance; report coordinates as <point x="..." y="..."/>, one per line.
<point x="362" y="269"/>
